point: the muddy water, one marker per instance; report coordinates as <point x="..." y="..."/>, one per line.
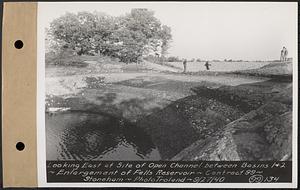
<point x="88" y="136"/>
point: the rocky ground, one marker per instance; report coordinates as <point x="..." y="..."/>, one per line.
<point x="263" y="133"/>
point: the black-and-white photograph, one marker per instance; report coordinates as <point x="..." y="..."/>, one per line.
<point x="169" y="81"/>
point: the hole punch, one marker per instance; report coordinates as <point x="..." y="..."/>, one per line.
<point x="20" y="146"/>
<point x="19" y="44"/>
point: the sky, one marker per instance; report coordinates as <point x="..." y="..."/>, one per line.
<point x="222" y="30"/>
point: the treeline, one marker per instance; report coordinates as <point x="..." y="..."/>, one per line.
<point x="127" y="37"/>
<point x="177" y="59"/>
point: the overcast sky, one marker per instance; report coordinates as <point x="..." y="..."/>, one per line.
<point x="249" y="31"/>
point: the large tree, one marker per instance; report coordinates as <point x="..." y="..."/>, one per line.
<point x="126" y="37"/>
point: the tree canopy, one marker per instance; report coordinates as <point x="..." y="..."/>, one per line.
<point x="126" y="37"/>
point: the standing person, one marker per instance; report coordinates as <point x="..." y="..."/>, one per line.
<point x="184" y="65"/>
<point x="207" y="65"/>
<point x="285" y="54"/>
<point x="282" y="55"/>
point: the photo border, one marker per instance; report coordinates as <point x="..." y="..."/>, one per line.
<point x="41" y="151"/>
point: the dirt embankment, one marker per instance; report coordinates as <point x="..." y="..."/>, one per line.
<point x="185" y="121"/>
<point x="265" y="133"/>
<point x="277" y="70"/>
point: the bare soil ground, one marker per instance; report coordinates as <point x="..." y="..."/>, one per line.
<point x="219" y="66"/>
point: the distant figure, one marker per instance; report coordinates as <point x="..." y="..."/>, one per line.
<point x="285" y="54"/>
<point x="184" y="65"/>
<point x="282" y="55"/>
<point x="207" y="65"/>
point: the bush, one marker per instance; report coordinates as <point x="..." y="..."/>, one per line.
<point x="65" y="57"/>
<point x="173" y="59"/>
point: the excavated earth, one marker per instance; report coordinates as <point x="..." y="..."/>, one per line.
<point x="188" y="119"/>
<point x="264" y="133"/>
